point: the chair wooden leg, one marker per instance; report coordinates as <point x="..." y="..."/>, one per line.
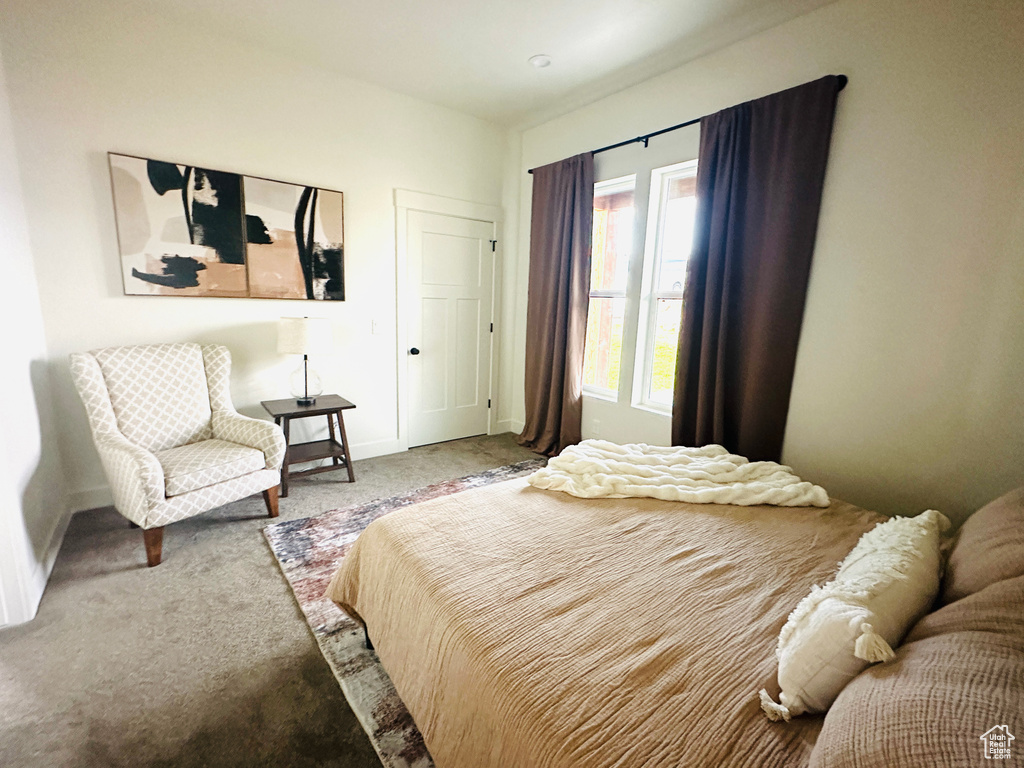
<point x="154" y="538"/>
<point x="270" y="497"/>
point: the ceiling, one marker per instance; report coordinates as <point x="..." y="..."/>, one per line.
<point x="471" y="55"/>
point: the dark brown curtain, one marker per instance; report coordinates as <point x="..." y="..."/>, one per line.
<point x="759" y="180"/>
<point x="556" y="311"/>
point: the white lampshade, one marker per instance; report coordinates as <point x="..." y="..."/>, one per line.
<point x="304" y="335"/>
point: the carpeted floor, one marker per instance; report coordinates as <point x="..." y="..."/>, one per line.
<point x="206" y="659"/>
<point x="309" y="551"/>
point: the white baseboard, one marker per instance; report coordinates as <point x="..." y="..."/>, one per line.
<point x="33" y="583"/>
<point x="94" y="498"/>
<point x="91" y="498"/>
<point x="100" y="496"/>
<point x="502" y="426"/>
<point x="45" y="566"/>
<point x="377" y="448"/>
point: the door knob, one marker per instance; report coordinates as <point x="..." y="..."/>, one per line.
<point x="414" y="351"/>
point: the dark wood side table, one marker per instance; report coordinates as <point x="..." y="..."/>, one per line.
<point x="330" y="406"/>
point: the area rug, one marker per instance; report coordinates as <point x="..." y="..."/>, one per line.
<point x="309" y="551"/>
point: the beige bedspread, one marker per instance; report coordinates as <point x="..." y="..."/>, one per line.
<point x="526" y="628"/>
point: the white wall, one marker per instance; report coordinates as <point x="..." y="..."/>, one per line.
<point x="87" y="78"/>
<point x="908" y="382"/>
<point x="32" y="505"/>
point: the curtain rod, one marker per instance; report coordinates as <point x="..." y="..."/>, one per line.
<point x="843" y="80"/>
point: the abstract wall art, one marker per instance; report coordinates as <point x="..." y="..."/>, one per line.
<point x="189" y="231"/>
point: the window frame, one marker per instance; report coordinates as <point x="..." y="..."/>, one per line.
<point x="643" y="370"/>
<point x="612" y="186"/>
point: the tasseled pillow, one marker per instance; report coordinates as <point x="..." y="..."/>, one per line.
<point x="883" y="587"/>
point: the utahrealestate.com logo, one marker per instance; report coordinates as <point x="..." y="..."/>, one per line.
<point x="997" y="742"/>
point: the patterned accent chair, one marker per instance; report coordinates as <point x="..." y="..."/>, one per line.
<point x="171" y="442"/>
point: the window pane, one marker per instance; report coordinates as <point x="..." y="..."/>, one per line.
<point x="676" y="237"/>
<point x="604" y="343"/>
<point x="666" y="341"/>
<point x="613" y="240"/>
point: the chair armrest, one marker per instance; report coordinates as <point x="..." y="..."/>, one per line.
<point x="262" y="435"/>
<point x="136" y="477"/>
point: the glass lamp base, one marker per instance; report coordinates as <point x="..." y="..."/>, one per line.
<point x="305" y="385"/>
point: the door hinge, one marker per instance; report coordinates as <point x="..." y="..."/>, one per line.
<point x="492" y="327"/>
<point x="494" y="246"/>
<point x="488" y="403"/>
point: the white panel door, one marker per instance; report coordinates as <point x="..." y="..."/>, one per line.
<point x="451" y="269"/>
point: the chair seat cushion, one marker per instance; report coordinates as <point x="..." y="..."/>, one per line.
<point x="208" y="462"/>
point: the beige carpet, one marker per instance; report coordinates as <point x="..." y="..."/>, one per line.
<point x="206" y="659"/>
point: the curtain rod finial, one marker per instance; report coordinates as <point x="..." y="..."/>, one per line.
<point x="843" y="80"/>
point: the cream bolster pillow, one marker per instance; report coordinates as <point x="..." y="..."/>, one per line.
<point x="886" y="583"/>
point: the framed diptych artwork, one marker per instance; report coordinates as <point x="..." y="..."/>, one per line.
<point x="189" y="231"/>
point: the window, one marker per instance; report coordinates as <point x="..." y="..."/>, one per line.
<point x="670" y="220"/>
<point x="611" y="251"/>
<point x="640" y="251"/>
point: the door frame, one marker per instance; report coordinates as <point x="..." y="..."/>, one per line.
<point x="406" y="201"/>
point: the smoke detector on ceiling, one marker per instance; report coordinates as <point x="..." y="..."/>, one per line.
<point x="540" y="61"/>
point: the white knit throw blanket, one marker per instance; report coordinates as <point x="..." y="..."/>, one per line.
<point x="708" y="475"/>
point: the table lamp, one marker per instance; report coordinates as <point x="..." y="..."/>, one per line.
<point x="304" y="336"/>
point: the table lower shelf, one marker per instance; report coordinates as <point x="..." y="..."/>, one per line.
<point x="313" y="451"/>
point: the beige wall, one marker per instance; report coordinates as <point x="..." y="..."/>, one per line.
<point x="87" y="78"/>
<point x="32" y="503"/>
<point x="908" y="390"/>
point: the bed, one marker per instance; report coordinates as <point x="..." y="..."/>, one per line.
<point x="524" y="627"/>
